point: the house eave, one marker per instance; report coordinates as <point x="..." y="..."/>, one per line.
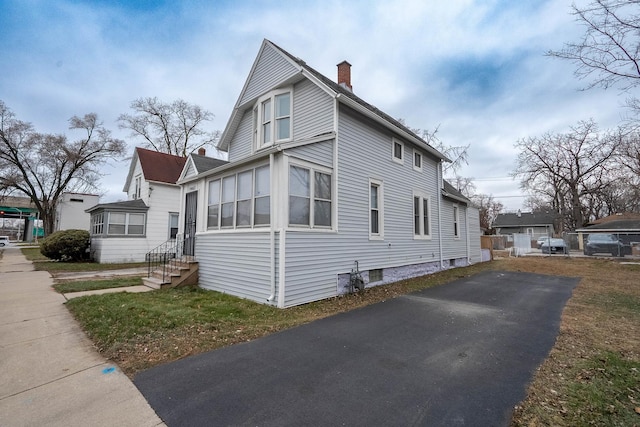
<point x="403" y="133"/>
<point x="254" y="157"/>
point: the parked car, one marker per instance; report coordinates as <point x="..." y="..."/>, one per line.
<point x="4" y="241"/>
<point x="554" y="246"/>
<point x="541" y="240"/>
<point x="606" y="244"/>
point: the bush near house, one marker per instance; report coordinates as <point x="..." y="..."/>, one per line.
<point x="66" y="245"/>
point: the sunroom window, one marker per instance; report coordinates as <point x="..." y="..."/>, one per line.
<point x="118" y="223"/>
<point x="310" y="197"/>
<point x="240" y="200"/>
<point x="272" y="118"/>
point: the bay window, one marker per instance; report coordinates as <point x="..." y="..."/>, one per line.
<point x="272" y="118"/>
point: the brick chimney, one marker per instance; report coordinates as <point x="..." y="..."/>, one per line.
<point x="202" y="151"/>
<point x="344" y="75"/>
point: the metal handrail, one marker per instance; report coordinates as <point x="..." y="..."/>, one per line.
<point x="167" y="255"/>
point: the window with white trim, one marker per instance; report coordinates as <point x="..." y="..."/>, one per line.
<point x="241" y="200"/>
<point x="138" y="188"/>
<point x="421" y="215"/>
<point x="272" y="118"/>
<point x="97" y="223"/>
<point x="310" y="197"/>
<point x="376" y="209"/>
<point x="397" y="151"/>
<point x="417" y="161"/>
<point x="125" y="223"/>
<point x="456" y="222"/>
<point x="173" y="224"/>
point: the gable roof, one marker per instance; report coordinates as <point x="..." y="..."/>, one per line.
<point x="342" y="94"/>
<point x="615" y="225"/>
<point x="156" y="166"/>
<point x="523" y="219"/>
<point x="450" y="192"/>
<point x="204" y="163"/>
<point x="617" y="217"/>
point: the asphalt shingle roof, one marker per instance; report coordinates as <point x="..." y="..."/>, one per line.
<point x="160" y="167"/>
<point x="523" y="219"/>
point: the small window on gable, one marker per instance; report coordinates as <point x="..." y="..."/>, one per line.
<point x="417" y="160"/>
<point x="398" y="151"/>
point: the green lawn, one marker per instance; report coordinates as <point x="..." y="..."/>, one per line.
<point x="42" y="263"/>
<point x="91" y="285"/>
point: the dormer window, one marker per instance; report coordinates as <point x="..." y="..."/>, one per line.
<point x="272" y="118"/>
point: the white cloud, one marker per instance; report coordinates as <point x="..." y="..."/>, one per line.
<point x="476" y="68"/>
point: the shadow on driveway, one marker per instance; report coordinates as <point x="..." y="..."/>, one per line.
<point x="458" y="354"/>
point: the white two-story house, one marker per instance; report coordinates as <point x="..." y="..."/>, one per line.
<point x="126" y="231"/>
<point x="318" y="180"/>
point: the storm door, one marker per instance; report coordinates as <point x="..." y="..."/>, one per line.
<point x="191" y="210"/>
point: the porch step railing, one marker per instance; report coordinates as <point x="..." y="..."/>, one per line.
<point x="169" y="256"/>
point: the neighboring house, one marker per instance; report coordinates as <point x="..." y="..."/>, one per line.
<point x="535" y="224"/>
<point x="318" y="180"/>
<point x="72" y="211"/>
<point x="127" y="231"/>
<point x="626" y="226"/>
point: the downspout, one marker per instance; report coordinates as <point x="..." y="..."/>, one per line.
<point x="466" y="219"/>
<point x="272" y="235"/>
<point x="439" y="173"/>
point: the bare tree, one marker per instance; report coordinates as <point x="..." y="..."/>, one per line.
<point x="43" y="166"/>
<point x="609" y="51"/>
<point x="488" y="207"/>
<point x="565" y="168"/>
<point x="173" y="128"/>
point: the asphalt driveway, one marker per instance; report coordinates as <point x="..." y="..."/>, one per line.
<point x="458" y="354"/>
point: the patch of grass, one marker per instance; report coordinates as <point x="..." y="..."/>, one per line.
<point x="91" y="285"/>
<point x="33" y="254"/>
<point x="42" y="263"/>
<point x="142" y="330"/>
<point x="606" y="392"/>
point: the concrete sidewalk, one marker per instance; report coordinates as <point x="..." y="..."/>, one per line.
<point x="50" y="373"/>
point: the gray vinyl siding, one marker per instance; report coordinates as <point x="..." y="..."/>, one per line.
<point x="320" y="153"/>
<point x="315" y="259"/>
<point x="475" y="233"/>
<point x="240" y="145"/>
<point x="453" y="247"/>
<point x="235" y="263"/>
<point x="271" y="69"/>
<point x="312" y="110"/>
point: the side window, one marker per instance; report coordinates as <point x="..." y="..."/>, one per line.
<point x="397" y="151"/>
<point x="310" y="197"/>
<point x="376" y="210"/>
<point x="173" y="225"/>
<point x="421" y="215"/>
<point x="456" y="222"/>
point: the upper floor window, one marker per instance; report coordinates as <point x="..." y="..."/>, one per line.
<point x="272" y="118"/>
<point x="138" y="188"/>
<point x="417" y="160"/>
<point x="397" y="151"/>
<point x="241" y="200"/>
<point x="310" y="197"/>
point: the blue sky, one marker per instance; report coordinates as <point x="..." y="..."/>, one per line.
<point x="475" y="69"/>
